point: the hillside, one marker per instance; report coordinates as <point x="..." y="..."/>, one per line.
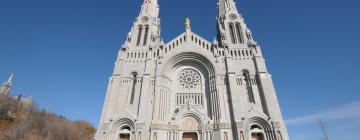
<point x="22" y="121"/>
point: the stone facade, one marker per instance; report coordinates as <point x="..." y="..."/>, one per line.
<point x="190" y="88"/>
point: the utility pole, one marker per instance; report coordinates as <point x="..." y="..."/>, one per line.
<point x="324" y="128"/>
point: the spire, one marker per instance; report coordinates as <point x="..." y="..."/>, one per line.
<point x="6" y="87"/>
<point x="146" y="29"/>
<point x="226" y="6"/>
<point x="10" y="78"/>
<point x="150" y="8"/>
<point x="9" y="81"/>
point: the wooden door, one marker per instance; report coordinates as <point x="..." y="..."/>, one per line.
<point x="124" y="136"/>
<point x="256" y="136"/>
<point x="189" y="136"/>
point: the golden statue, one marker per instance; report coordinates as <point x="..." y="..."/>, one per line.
<point x="187" y="23"/>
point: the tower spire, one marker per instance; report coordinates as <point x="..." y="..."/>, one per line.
<point x="232" y="30"/>
<point x="6" y="87"/>
<point x="10" y="78"/>
<point x="226" y="6"/>
<point x="146" y="29"/>
<point x="150" y="8"/>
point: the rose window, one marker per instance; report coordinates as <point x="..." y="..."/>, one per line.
<point x="189" y="79"/>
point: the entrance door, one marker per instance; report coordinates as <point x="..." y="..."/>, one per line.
<point x="189" y="136"/>
<point x="124" y="136"/>
<point x="256" y="136"/>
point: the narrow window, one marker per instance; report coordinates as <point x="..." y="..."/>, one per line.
<point x="278" y="134"/>
<point x="226" y="3"/>
<point x="242" y="135"/>
<point x="139" y="36"/>
<point x="249" y="87"/>
<point x="155" y="136"/>
<point x="239" y="33"/>
<point x="146" y="35"/>
<point x="232" y="33"/>
<point x="133" y="88"/>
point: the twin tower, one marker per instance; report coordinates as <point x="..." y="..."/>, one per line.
<point x="190" y="88"/>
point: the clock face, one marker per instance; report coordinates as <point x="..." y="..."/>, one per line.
<point x="233" y="16"/>
<point x="144" y="19"/>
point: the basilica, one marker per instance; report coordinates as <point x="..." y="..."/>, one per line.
<point x="191" y="88"/>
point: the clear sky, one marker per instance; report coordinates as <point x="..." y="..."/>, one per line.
<point x="63" y="52"/>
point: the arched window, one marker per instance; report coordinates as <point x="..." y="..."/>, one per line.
<point x="278" y="135"/>
<point x="134" y="74"/>
<point x="248" y="86"/>
<point x="139" y="135"/>
<point x="139" y="36"/>
<point x="239" y="33"/>
<point x="232" y="33"/>
<point x="242" y="135"/>
<point x="155" y="136"/>
<point x="248" y="34"/>
<point x="226" y="3"/>
<point x="146" y="35"/>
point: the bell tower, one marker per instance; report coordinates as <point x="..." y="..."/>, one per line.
<point x="145" y="31"/>
<point x="231" y="28"/>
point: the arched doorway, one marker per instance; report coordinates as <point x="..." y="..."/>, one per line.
<point x="125" y="131"/>
<point x="256" y="136"/>
<point x="124" y="136"/>
<point x="190" y="136"/>
<point x="190" y="126"/>
<point x="257" y="132"/>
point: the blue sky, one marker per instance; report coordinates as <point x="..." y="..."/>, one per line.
<point x="63" y="52"/>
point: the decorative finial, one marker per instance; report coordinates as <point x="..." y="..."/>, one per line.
<point x="187" y="23"/>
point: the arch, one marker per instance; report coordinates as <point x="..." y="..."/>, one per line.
<point x="258" y="125"/>
<point x="248" y="86"/>
<point x="239" y="32"/>
<point x="176" y="61"/>
<point x="139" y="35"/>
<point x="133" y="88"/>
<point x="146" y="34"/>
<point x="182" y="115"/>
<point x="188" y="57"/>
<point x="122" y="124"/>
<point x="279" y="136"/>
<point x="190" y="123"/>
<point x="155" y="136"/>
<point x="242" y="137"/>
<point x="232" y="33"/>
